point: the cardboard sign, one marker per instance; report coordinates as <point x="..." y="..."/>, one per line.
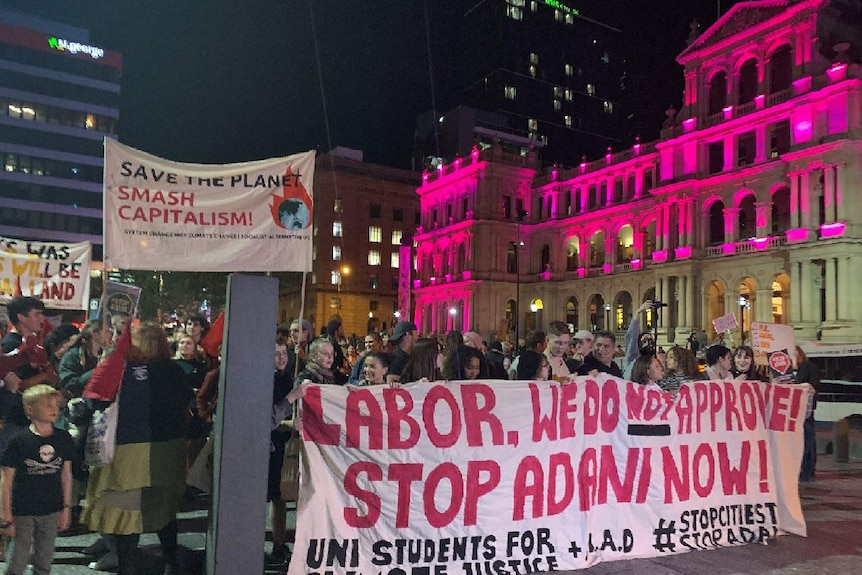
<point x="767" y="337"/>
<point x="57" y="273"/>
<point x="725" y="323"/>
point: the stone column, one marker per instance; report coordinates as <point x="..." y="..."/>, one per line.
<point x="807" y="203"/>
<point x="683" y="301"/>
<point x="731" y="224"/>
<point x="795" y="204"/>
<point x="763" y="305"/>
<point x="691" y="302"/>
<point x="831" y="286"/>
<point x="763" y="218"/>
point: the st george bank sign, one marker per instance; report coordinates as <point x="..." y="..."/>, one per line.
<point x="75" y="47"/>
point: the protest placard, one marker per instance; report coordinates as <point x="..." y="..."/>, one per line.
<point x="58" y="273"/>
<point x="768" y="337"/>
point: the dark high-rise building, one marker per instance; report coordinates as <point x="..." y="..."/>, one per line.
<point x="59" y="98"/>
<point x="550" y="69"/>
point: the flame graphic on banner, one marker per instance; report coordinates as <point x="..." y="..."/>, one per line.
<point x="293" y="209"/>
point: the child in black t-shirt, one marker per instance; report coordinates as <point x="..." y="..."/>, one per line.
<point x="37" y="483"/>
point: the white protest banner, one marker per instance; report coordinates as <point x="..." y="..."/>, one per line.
<point x="253" y="216"/>
<point x="767" y="337"/>
<point x="515" y="477"/>
<point x="725" y="323"/>
<point x="55" y="272"/>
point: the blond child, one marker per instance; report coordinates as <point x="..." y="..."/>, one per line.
<point x="37" y="484"/>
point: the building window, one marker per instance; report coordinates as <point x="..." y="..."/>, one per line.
<point x="558" y="92"/>
<point x="569" y="69"/>
<point x="337" y="207"/>
<point x="557" y="105"/>
<point x="608" y="107"/>
<point x="558" y="16"/>
<point x="396" y="237"/>
<point x="375" y="234"/>
<point x="591" y="89"/>
<point x="533" y="6"/>
<point x="510" y="92"/>
<point x="569" y="94"/>
<point x="570" y="19"/>
<point x="394" y="260"/>
<point x="336" y="253"/>
<point x="374" y="257"/>
<point x="534" y="58"/>
<point x="335" y="278"/>
<point x="373" y="281"/>
<point x="374" y="211"/>
<point x="398" y="215"/>
<point x="373" y="305"/>
<point x="514" y="12"/>
<point x="532" y="124"/>
<point x="336" y="230"/>
<point x="532" y="71"/>
<point x="606" y="58"/>
<point x="568" y="120"/>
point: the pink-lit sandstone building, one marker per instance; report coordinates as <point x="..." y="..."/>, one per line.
<point x="750" y="202"/>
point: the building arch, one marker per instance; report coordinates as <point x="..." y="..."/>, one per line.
<point x="596" y="312"/>
<point x="597" y="249"/>
<point x="781" y="67"/>
<point x="713" y="294"/>
<point x="780" y="210"/>
<point x="625" y="244"/>
<point x="572" y="313"/>
<point x="573" y="250"/>
<point x="621" y="312"/>
<point x="715" y="223"/>
<point x="717" y="98"/>
<point x="781" y="298"/>
<point x="746" y="305"/>
<point x="747" y="224"/>
<point x="748" y="84"/>
<point x="545" y="259"/>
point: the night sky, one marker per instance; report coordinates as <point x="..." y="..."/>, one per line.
<point x="226" y="81"/>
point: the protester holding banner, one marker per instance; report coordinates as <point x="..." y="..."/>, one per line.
<point x="647" y="370"/>
<point x="533" y="366"/>
<point x="78" y="363"/>
<point x="744" y="367"/>
<point x="680" y="366"/>
<point x="471" y="363"/>
<point x="375" y="366"/>
<point x="718" y="362"/>
<point x="318" y="368"/>
<point x="808" y="372"/>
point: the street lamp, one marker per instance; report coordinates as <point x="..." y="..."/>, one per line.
<point x="607" y="316"/>
<point x="453" y="311"/>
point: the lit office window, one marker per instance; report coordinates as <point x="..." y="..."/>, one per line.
<point x="533" y="6"/>
<point x="393" y="260"/>
<point x="532" y="124"/>
<point x="609" y="107"/>
<point x="568" y="120"/>
<point x="534" y="58"/>
<point x="569" y="94"/>
<point x="533" y="71"/>
<point x="558" y="16"/>
<point x="336" y="230"/>
<point x="606" y="58"/>
<point x="374" y="257"/>
<point x="335" y="277"/>
<point x="558" y="92"/>
<point x="557" y="105"/>
<point x="336" y="253"/>
<point x="375" y="234"/>
<point x="591" y="89"/>
<point x="514" y="12"/>
<point x="570" y="19"/>
<point x="337" y="208"/>
<point x="510" y="92"/>
<point x="396" y="237"/>
<point x="569" y="69"/>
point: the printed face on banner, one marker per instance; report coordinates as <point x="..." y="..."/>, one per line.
<point x="452" y="477"/>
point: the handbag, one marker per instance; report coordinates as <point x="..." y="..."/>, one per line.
<point x="102" y="436"/>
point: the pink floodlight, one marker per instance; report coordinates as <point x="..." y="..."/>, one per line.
<point x="797" y="235"/>
<point x="802" y="85"/>
<point x="689" y="124"/>
<point x="728" y="112"/>
<point x="837" y="72"/>
<point x="728" y="248"/>
<point x="659" y="256"/>
<point x="759" y="243"/>
<point x="832" y="230"/>
<point x="582" y="272"/>
<point x="682" y="252"/>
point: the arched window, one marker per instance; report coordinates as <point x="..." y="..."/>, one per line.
<point x="512" y="258"/>
<point x="781" y="69"/>
<point x="747" y="219"/>
<point x="780" y="211"/>
<point x="625" y="244"/>
<point x="717" y="93"/>
<point x="597" y="249"/>
<point x="572" y="312"/>
<point x="546" y="257"/>
<point x="747" y="82"/>
<point x="716" y="223"/>
<point x="572" y="252"/>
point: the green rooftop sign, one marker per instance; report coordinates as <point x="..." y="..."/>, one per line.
<point x="560" y="6"/>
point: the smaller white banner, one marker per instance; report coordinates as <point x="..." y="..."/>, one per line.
<point x="57" y="273"/>
<point x="769" y="337"/>
<point x="171" y="216"/>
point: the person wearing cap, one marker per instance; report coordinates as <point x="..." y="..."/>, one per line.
<point x="404" y="335"/>
<point x="583" y="344"/>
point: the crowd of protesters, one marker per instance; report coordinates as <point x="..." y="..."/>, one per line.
<point x="170" y="395"/>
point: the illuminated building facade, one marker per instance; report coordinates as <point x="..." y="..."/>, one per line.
<point x="59" y="97"/>
<point x="748" y="203"/>
<point x="362" y="213"/>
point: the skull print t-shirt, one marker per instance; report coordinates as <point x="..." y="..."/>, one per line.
<point x="38" y="463"/>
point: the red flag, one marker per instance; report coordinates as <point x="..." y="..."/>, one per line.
<point x="213" y="339"/>
<point x="104" y="384"/>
